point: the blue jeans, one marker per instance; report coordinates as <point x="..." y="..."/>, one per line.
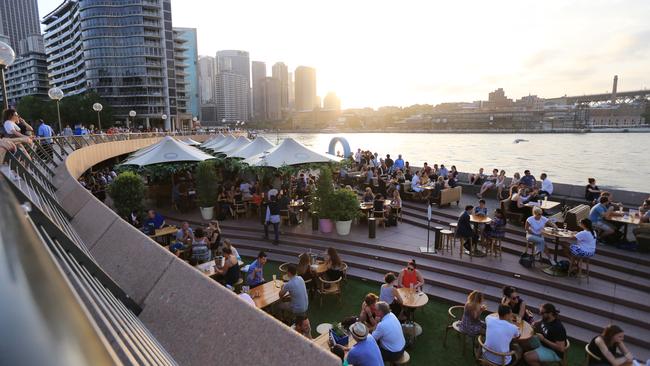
<point x="538" y="240"/>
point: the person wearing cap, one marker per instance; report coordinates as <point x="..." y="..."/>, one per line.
<point x="366" y="351"/>
<point x="551" y="335"/>
<point x="389" y="334"/>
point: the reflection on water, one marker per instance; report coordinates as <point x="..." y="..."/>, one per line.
<point x="616" y="160"/>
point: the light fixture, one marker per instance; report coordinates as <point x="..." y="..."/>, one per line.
<point x="97" y="107"/>
<point x="56" y="94"/>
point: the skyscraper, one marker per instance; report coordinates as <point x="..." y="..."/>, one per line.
<point x="191" y="56"/>
<point x="306" y="99"/>
<point x="272" y="99"/>
<point x="332" y="102"/>
<point x="181" y="64"/>
<point x="28" y="74"/>
<point x="124" y="53"/>
<point x="281" y="72"/>
<point x="292" y="92"/>
<point x="208" y="89"/>
<point x="19" y="19"/>
<point x="258" y="72"/>
<point x="236" y="64"/>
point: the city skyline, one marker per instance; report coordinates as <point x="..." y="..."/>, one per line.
<point x="426" y="53"/>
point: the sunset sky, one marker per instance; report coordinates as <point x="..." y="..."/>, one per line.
<point x="375" y="53"/>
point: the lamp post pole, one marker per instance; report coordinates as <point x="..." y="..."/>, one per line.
<point x="5" y="100"/>
<point x="56" y="94"/>
<point x="97" y="107"/>
<point x="7" y="57"/>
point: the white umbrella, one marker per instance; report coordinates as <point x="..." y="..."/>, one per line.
<point x="219" y="144"/>
<point x="290" y="152"/>
<point x="258" y="146"/>
<point x="168" y="150"/>
<point x="234" y="146"/>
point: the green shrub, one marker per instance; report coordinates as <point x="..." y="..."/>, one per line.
<point x="344" y="205"/>
<point x="206" y="184"/>
<point x="127" y="193"/>
<point x="323" y="196"/>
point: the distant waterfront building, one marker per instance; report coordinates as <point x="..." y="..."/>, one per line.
<point x="497" y="99"/>
<point x="234" y="99"/>
<point x="28" y="74"/>
<point x="532" y="102"/>
<point x="207" y="79"/>
<point x="281" y="72"/>
<point x="305" y="85"/>
<point x="272" y="99"/>
<point x="18" y="20"/>
<point x="258" y="73"/>
<point x="618" y="115"/>
<point x="124" y="53"/>
<point x="332" y="102"/>
<point x="191" y="61"/>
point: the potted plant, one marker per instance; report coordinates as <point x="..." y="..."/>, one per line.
<point x="345" y="207"/>
<point x="206" y="188"/>
<point x="323" y="200"/>
<point x="127" y="193"/>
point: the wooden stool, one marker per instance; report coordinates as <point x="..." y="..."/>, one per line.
<point x="453" y="226"/>
<point x="323" y="328"/>
<point x="495" y="247"/>
<point x="447" y="240"/>
<point x="404" y="360"/>
<point x="579" y="263"/>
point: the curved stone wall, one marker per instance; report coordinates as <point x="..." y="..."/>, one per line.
<point x="194" y="318"/>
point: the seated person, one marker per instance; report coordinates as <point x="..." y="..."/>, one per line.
<point x="184" y="238"/>
<point x="517" y="304"/>
<point x="229" y="274"/>
<point x="585" y="245"/>
<point x="480" y="210"/>
<point x="478" y="178"/>
<point x="464" y="228"/>
<point x="213" y="231"/>
<point x="499" y="333"/>
<point x="415" y="182"/>
<point x="366" y="351"/>
<point x="552" y="338"/>
<point x="410" y="277"/>
<point x="471" y="323"/>
<point x="599" y="215"/>
<point x="153" y="222"/>
<point x="304" y="267"/>
<point x="496" y="229"/>
<point x="245" y="189"/>
<point x="389" y="334"/>
<point x="378" y="204"/>
<point x="388" y="293"/>
<point x="514" y="183"/>
<point x="490" y="182"/>
<point x="534" y="226"/>
<point x="368" y="196"/>
<point x="547" y="186"/>
<point x="255" y="274"/>
<point x="228" y="244"/>
<point x="299" y="302"/>
<point x="334" y="265"/>
<point x="609" y="348"/>
<point x="302" y="326"/>
<point x="518" y="202"/>
<point x="528" y="179"/>
<point x="369" y="314"/>
<point x="200" y="251"/>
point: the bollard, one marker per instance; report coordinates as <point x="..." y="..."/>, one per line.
<point x="372" y="227"/>
<point x="438" y="239"/>
<point x="314" y="221"/>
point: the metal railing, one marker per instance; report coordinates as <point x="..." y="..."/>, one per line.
<point x="109" y="311"/>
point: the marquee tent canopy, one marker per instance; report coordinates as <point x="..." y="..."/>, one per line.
<point x="168" y="150"/>
<point x="290" y="152"/>
<point x="258" y="146"/>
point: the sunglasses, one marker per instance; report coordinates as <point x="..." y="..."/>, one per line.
<point x="410" y="268"/>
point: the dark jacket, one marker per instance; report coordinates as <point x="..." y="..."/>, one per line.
<point x="464" y="229"/>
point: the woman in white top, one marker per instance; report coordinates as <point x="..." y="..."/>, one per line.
<point x="534" y="226"/>
<point x="10" y="126"/>
<point x="585" y="245"/>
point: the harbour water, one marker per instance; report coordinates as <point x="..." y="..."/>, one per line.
<point x="616" y="160"/>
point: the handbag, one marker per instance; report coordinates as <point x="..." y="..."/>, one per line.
<point x="527" y="260"/>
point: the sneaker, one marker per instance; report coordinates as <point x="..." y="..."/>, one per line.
<point x="553" y="263"/>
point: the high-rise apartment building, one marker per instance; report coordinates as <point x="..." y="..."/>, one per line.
<point x="281" y="72"/>
<point x="305" y="84"/>
<point x="124" y="52"/>
<point x="18" y="20"/>
<point x="208" y="89"/>
<point x="258" y="75"/>
<point x="181" y="62"/>
<point x="233" y="85"/>
<point x="272" y="99"/>
<point x="28" y="74"/>
<point x="191" y="56"/>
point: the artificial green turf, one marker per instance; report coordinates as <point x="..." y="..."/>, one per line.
<point x="428" y="349"/>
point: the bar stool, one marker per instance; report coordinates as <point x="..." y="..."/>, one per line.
<point x="495" y="247"/>
<point x="404" y="360"/>
<point x="579" y="264"/>
<point x="447" y="241"/>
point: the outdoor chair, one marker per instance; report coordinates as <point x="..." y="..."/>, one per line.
<point x="589" y="356"/>
<point x="284" y="216"/>
<point x="454" y="315"/>
<point x="240" y="209"/>
<point x="283" y="269"/>
<point x="380" y="217"/>
<point x="502" y="356"/>
<point x="565" y="357"/>
<point x="329" y="288"/>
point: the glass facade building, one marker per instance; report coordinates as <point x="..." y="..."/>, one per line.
<point x="191" y="55"/>
<point x="122" y="49"/>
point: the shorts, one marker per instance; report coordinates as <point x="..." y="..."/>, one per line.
<point x="602" y="225"/>
<point x="546" y="355"/>
<point x="577" y="251"/>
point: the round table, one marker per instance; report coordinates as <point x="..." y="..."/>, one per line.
<point x="413" y="299"/>
<point x="557" y="234"/>
<point x="477" y="219"/>
<point x="323" y="328"/>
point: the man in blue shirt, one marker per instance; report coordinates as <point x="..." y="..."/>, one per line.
<point x="389" y="334"/>
<point x="601" y="212"/>
<point x="528" y="179"/>
<point x="365" y="352"/>
<point x="443" y="172"/>
<point x="399" y="163"/>
<point x="45" y="131"/>
<point x="154" y="221"/>
<point x="298" y="291"/>
<point x="255" y="276"/>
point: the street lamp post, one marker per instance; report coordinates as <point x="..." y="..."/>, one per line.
<point x="132" y="115"/>
<point x="97" y="107"/>
<point x="56" y="94"/>
<point x="164" y="118"/>
<point x="7" y="57"/>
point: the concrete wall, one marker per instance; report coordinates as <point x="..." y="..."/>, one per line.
<point x="198" y="321"/>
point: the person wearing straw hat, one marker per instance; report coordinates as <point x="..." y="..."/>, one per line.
<point x="366" y="351"/>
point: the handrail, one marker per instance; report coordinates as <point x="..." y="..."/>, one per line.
<point x="42" y="317"/>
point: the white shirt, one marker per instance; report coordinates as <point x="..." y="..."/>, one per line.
<point x="415" y="182"/>
<point x="547" y="186"/>
<point x="389" y="334"/>
<point x="536" y="226"/>
<point x="11" y="128"/>
<point x="586" y="241"/>
<point x="245" y="188"/>
<point x="498" y="335"/>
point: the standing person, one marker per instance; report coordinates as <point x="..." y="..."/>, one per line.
<point x="534" y="226"/>
<point x="295" y="287"/>
<point x="389" y="334"/>
<point x="366" y="351"/>
<point x="272" y="218"/>
<point x="551" y="335"/>
<point x="464" y="228"/>
<point x="255" y="275"/>
<point x="46" y="132"/>
<point x="67" y="131"/>
<point x="609" y="348"/>
<point x="389" y="162"/>
<point x="547" y="186"/>
<point x="499" y="333"/>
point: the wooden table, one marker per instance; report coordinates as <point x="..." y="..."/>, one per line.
<point x="319" y="268"/>
<point x="266" y="294"/>
<point x="207" y="268"/>
<point x="557" y="234"/>
<point x="546" y="204"/>
<point x="412" y="299"/>
<point x="323" y="341"/>
<point x="477" y="219"/>
<point x="526" y="330"/>
<point x="625" y="219"/>
<point x="164" y="233"/>
<point x="368" y="206"/>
